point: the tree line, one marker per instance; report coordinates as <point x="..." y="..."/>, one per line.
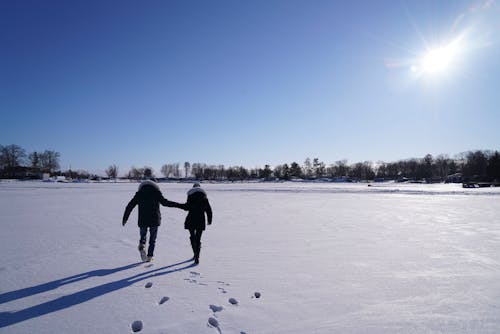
<point x="15" y="162"/>
<point x="468" y="166"/>
<point x="480" y="165"/>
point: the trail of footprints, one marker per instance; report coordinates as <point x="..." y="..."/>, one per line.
<point x="212" y="322"/>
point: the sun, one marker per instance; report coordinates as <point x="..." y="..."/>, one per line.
<point x="439" y="59"/>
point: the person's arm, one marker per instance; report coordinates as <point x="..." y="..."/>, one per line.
<point x="166" y="202"/>
<point x="130" y="206"/>
<point x="208" y="210"/>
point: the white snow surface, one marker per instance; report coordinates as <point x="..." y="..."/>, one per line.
<point x="326" y="258"/>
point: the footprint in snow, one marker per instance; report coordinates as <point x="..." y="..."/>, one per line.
<point x="233" y="301"/>
<point x="222" y="290"/>
<point x="257" y="294"/>
<point x="216" y="308"/>
<point x="148" y="285"/>
<point x="194" y="273"/>
<point x="136" y="326"/>
<point x="148" y="265"/>
<point x="163" y="300"/>
<point x="214" y="323"/>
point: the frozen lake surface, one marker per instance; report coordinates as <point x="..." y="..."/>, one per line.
<point x="324" y="258"/>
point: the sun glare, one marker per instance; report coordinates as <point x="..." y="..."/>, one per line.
<point x="439" y="59"/>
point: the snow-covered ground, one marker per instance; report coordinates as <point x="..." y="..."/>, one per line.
<point x="325" y="258"/>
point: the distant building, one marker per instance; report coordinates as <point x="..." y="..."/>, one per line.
<point x="21" y="172"/>
<point x="454" y="178"/>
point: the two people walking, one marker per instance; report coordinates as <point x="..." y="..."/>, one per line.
<point x="149" y="197"/>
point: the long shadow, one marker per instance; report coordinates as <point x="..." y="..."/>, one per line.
<point x="22" y="293"/>
<point x="11" y="318"/>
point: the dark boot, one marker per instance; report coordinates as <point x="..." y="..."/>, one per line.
<point x="197" y="253"/>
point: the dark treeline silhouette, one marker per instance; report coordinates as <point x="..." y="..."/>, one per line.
<point x="16" y="163"/>
<point x="472" y="166"/>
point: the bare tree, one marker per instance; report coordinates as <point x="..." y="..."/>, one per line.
<point x="442" y="166"/>
<point x="112" y="171"/>
<point x="148" y="172"/>
<point x="49" y="160"/>
<point x="197" y="169"/>
<point x="187" y="166"/>
<point x="136" y="173"/>
<point x="171" y="170"/>
<point x="339" y="169"/>
<point x="12" y="156"/>
<point x="307" y="168"/>
<point x="166" y="170"/>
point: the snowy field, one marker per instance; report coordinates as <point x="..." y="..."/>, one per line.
<point x="325" y="258"/>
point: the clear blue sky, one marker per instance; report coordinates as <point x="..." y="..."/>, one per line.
<point x="137" y="83"/>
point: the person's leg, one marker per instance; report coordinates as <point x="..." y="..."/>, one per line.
<point x="142" y="241"/>
<point x="197" y="241"/>
<point x="192" y="238"/>
<point x="153" y="232"/>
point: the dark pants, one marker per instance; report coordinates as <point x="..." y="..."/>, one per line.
<point x="153" y="231"/>
<point x="195" y="237"/>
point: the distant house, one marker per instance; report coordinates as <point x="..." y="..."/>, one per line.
<point x="434" y="179"/>
<point x="21" y="172"/>
<point x="454" y="178"/>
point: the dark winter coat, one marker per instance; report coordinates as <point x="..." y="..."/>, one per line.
<point x="197" y="204"/>
<point x="149" y="198"/>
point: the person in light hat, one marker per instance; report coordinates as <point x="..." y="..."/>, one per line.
<point x="197" y="204"/>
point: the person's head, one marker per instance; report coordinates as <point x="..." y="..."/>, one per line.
<point x="196" y="185"/>
<point x="148" y="183"/>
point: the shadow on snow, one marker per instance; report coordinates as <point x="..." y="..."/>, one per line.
<point x="11" y="318"/>
<point x="31" y="291"/>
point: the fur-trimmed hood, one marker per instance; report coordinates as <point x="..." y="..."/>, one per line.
<point x="195" y="190"/>
<point x="148" y="183"/>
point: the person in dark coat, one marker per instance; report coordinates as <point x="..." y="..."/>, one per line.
<point x="197" y="204"/>
<point x="148" y="198"/>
